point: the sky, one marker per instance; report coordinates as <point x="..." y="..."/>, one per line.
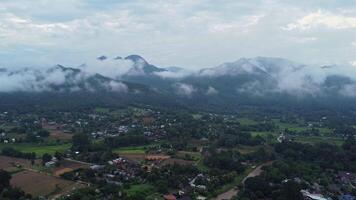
<point x="185" y="33"/>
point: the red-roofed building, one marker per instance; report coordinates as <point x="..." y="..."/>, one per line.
<point x="169" y="197"/>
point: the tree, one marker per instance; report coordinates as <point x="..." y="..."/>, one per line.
<point x="349" y="143"/>
<point x="291" y="191"/>
<point x="43" y="133"/>
<point x="46" y="158"/>
<point x="58" y="155"/>
<point x="81" y="142"/>
<point x="4" y="179"/>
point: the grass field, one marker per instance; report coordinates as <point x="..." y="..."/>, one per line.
<point x="263" y="134"/>
<point x="193" y="155"/>
<point x="133" y="149"/>
<point x="197" y="116"/>
<point x="295" y="127"/>
<point x="141" y="190"/>
<point x="247" y="149"/>
<point x="246" y="121"/>
<point x="200" y="165"/>
<point x="101" y="110"/>
<point x="316" y="139"/>
<point x="38" y="149"/>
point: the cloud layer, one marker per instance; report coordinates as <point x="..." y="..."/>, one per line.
<point x="192" y="34"/>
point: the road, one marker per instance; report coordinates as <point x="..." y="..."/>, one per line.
<point x="234" y="191"/>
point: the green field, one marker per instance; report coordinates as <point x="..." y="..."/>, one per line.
<point x="263" y="134"/>
<point x="247" y="149"/>
<point x="196" y="156"/>
<point x="38" y="149"/>
<point x="316" y="139"/>
<point x="246" y="121"/>
<point x="138" y="191"/>
<point x="197" y="116"/>
<point x="132" y="149"/>
<point x="101" y="110"/>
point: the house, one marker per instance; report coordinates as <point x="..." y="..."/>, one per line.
<point x="347" y="197"/>
<point x="201" y="198"/>
<point x="347" y="177"/>
<point x="50" y="163"/>
<point x="169" y="197"/>
<point x="308" y="196"/>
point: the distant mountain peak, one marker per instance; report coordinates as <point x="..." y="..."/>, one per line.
<point x="141" y="66"/>
<point x="136" y="58"/>
<point x="118" y="58"/>
<point x="102" y="58"/>
<point x="264" y="65"/>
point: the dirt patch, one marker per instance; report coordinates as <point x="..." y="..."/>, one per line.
<point x="137" y="157"/>
<point x="56" y="133"/>
<point x="60" y="135"/>
<point x="11" y="163"/>
<point x="177" y="161"/>
<point x="68" y="166"/>
<point x="257" y="171"/>
<point x="37" y="184"/>
<point x="227" y="195"/>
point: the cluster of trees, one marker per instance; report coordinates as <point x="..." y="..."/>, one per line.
<point x="126" y="140"/>
<point x="9" y="151"/>
<point x="325" y="155"/>
<point x="259" y="188"/>
<point x="232" y="137"/>
<point x="89" y="151"/>
<point x="223" y="160"/>
<point x="300" y="165"/>
<point x="170" y="176"/>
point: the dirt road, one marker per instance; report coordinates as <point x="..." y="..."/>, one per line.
<point x="234" y="191"/>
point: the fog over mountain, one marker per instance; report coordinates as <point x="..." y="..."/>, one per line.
<point x="253" y="76"/>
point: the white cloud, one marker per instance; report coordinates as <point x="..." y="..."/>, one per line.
<point x="186" y="33"/>
<point x="240" y="25"/>
<point x="212" y="91"/>
<point x="184" y="89"/>
<point x="322" y="18"/>
<point x="117" y="87"/>
<point x="353" y="63"/>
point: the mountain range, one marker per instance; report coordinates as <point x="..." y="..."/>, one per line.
<point x="245" y="82"/>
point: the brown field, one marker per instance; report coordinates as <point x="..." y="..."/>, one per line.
<point x="137" y="157"/>
<point x="10" y="163"/>
<point x="37" y="184"/>
<point x="60" y="135"/>
<point x="56" y="133"/>
<point x="178" y="161"/>
<point x="68" y="166"/>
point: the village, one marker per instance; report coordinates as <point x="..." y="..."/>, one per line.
<point x="145" y="152"/>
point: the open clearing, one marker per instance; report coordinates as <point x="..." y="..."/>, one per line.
<point x="37" y="184"/>
<point x="9" y="163"/>
<point x="38" y="149"/>
<point x="57" y="134"/>
<point x="68" y="166"/>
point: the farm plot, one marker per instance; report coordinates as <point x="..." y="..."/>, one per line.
<point x="39" y="184"/>
<point x="172" y="161"/>
<point x="57" y="134"/>
<point x="11" y="164"/>
<point x="68" y="166"/>
<point x="137" y="157"/>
